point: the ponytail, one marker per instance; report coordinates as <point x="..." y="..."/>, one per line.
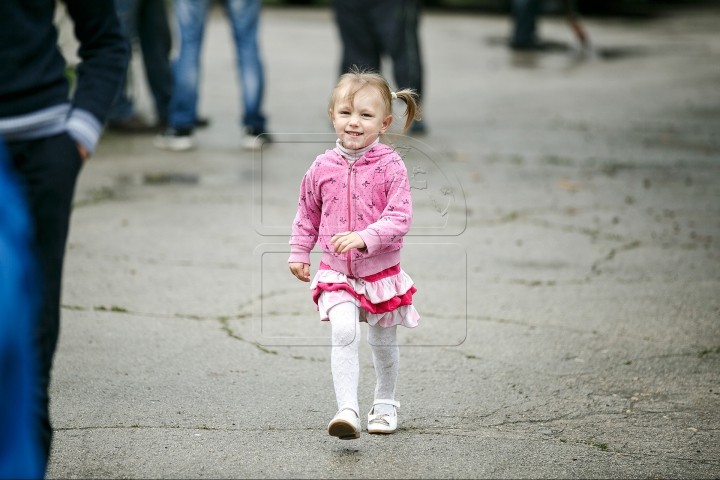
<point x="412" y="108"/>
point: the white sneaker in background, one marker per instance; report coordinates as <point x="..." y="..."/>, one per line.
<point x="254" y="139"/>
<point x="175" y="139"/>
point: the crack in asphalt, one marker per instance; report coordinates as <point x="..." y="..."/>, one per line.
<point x="223" y="319"/>
<point x="176" y="427"/>
<point x="613" y="252"/>
<point x="454" y="431"/>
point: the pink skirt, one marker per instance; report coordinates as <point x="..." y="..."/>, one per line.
<point x="384" y="299"/>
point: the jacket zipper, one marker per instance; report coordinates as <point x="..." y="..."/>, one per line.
<point x="348" y="204"/>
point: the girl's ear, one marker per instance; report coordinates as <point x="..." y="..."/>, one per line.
<point x="386" y="123"/>
<point x="331" y="115"/>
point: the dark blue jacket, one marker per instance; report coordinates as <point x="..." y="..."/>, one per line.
<point x="32" y="69"/>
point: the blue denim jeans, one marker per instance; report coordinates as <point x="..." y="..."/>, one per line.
<point x="191" y="15"/>
<point x="525" y="14"/>
<point x="146" y="20"/>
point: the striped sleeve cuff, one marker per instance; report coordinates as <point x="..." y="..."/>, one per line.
<point x="84" y="128"/>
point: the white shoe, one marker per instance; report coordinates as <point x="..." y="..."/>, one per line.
<point x="383" y="423"/>
<point x="175" y="139"/>
<point x="254" y="139"/>
<point x="345" y="425"/>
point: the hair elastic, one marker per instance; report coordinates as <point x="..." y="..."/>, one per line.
<point x="393" y="95"/>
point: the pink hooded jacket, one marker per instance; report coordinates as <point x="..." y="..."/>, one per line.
<point x="371" y="196"/>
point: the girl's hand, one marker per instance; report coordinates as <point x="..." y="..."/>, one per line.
<point x="301" y="271"/>
<point x="346" y="241"/>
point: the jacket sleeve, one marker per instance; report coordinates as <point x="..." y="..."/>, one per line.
<point x="104" y="53"/>
<point x="396" y="218"/>
<point x="306" y="225"/>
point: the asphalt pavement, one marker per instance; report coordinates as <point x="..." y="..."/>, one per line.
<point x="565" y="247"/>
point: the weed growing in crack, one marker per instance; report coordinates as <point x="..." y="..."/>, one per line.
<point x="113" y="308"/>
<point x="73" y="307"/>
<point x="709" y="350"/>
<point x="601" y="446"/>
<point x="263" y="349"/>
<point x="226" y="328"/>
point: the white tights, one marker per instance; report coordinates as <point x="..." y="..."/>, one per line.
<point x="344" y="319"/>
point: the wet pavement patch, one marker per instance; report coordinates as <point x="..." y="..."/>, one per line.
<point x="96" y="196"/>
<point x="619" y="53"/>
<point x="542" y="46"/>
<point x="171" y="178"/>
<point x="555" y="46"/>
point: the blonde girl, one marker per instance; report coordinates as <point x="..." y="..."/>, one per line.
<point x="355" y="202"/>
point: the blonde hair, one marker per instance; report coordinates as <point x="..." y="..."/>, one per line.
<point x="357" y="79"/>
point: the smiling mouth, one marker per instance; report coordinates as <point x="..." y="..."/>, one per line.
<point x="354" y="134"/>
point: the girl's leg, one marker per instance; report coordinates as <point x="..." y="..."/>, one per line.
<point x="344" y="357"/>
<point x="386" y="357"/>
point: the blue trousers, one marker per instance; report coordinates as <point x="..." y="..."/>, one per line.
<point x="47" y="168"/>
<point x="244" y="18"/>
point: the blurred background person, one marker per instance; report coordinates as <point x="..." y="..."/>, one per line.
<point x="20" y="451"/>
<point x="370" y="29"/>
<point x="244" y="18"/>
<point x="146" y="21"/>
<point x="524" y="31"/>
<point x="50" y="134"/>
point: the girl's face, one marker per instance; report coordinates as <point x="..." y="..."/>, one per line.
<point x="359" y="123"/>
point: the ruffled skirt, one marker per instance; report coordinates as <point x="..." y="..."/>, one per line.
<point x="384" y="299"/>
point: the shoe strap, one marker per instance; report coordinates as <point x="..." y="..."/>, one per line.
<point x="387" y="402"/>
<point x="347" y="408"/>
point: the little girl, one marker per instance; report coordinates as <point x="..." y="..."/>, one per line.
<point x="355" y="200"/>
